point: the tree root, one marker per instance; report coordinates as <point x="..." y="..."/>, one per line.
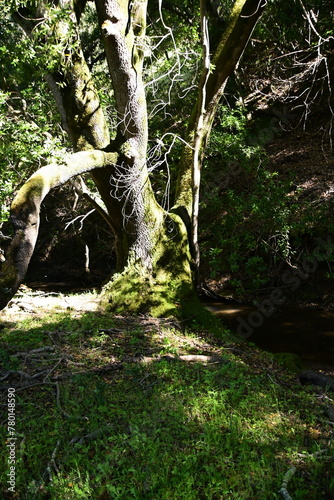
<point x="317" y="378"/>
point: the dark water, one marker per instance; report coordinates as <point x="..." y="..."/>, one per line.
<point x="309" y="333"/>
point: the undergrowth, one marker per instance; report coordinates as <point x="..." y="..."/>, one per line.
<point x="125" y="410"/>
<point x="263" y="222"/>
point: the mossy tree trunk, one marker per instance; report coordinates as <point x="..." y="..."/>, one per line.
<point x="152" y="246"/>
<point x="25" y="210"/>
<point x="154" y="259"/>
<point x="216" y="71"/>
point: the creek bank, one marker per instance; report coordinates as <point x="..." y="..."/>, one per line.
<point x="307" y="333"/>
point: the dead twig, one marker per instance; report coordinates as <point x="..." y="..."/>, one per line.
<point x="103" y="369"/>
<point x="91" y="436"/>
<point x="15" y="373"/>
<point x="119" y="365"/>
<point x="52" y="464"/>
<point x="46" y="349"/>
<point x="63" y="412"/>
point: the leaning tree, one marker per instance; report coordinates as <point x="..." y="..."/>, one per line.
<point x="157" y="249"/>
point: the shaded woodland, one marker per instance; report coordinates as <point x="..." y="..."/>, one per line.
<point x="159" y="162"/>
<point x="278" y="97"/>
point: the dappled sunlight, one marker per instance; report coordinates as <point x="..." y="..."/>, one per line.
<point x="137" y="404"/>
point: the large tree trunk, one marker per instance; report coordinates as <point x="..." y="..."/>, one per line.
<point x="157" y="276"/>
<point x="153" y="251"/>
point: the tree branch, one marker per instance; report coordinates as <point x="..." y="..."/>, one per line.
<point x="25" y="213"/>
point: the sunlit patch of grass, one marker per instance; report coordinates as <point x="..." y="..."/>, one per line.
<point x="167" y="429"/>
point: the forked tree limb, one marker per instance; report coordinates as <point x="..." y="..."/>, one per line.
<point x="25" y="210"/>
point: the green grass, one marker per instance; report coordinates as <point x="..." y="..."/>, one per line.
<point x="167" y="429"/>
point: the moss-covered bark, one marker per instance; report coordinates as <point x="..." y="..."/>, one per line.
<point x="25" y="214"/>
<point x="157" y="275"/>
<point x="161" y="289"/>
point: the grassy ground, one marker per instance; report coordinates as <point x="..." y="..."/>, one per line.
<point x="136" y="408"/>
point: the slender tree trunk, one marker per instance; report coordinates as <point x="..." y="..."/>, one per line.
<point x="215" y="74"/>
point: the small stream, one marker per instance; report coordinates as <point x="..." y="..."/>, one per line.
<point x="309" y="333"/>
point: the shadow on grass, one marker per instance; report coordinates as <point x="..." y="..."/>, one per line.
<point x="105" y="408"/>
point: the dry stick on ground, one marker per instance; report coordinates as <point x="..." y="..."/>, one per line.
<point x="20" y="387"/>
<point x="21" y="373"/>
<point x="43" y="351"/>
<point x="64" y="413"/>
<point x="33" y="351"/>
<point x="16" y="372"/>
<point x="119" y="365"/>
<point x="102" y="369"/>
<point x="92" y="435"/>
<point x="52" y="462"/>
<point x="319" y="454"/>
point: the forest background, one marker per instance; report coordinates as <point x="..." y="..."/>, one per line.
<point x="266" y="180"/>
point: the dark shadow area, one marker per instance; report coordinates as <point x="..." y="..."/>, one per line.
<point x="309" y="333"/>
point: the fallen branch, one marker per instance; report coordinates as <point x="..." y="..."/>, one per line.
<point x="17" y="373"/>
<point x="284" y="489"/>
<point x="63" y="412"/>
<point x="119" y="365"/>
<point x="52" y="462"/>
<point x="20" y="373"/>
<point x="33" y="351"/>
<point x="318" y="454"/>
<point x="90" y="437"/>
<point x="113" y="366"/>
<point x="103" y="369"/>
<point x="20" y="387"/>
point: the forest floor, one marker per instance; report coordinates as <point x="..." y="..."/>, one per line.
<point x="123" y="407"/>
